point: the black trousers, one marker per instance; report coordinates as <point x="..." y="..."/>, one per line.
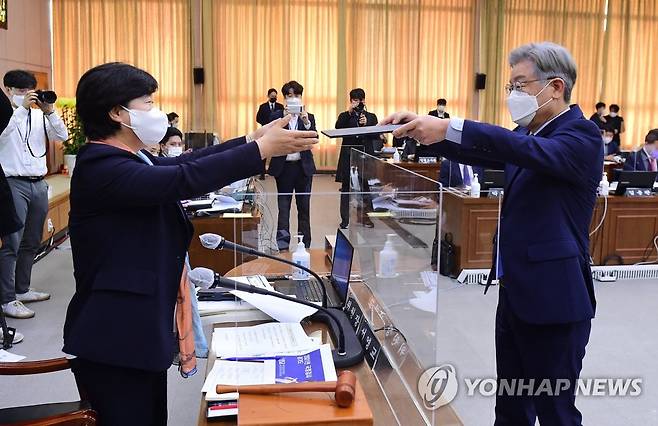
<point x="122" y="396"/>
<point x="293" y="180"/>
<point x="543" y="352"/>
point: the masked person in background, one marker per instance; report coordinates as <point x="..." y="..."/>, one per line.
<point x="440" y="111"/>
<point x="645" y="158"/>
<point x="553" y="164"/>
<point x="129" y="236"/>
<point x="172" y="144"/>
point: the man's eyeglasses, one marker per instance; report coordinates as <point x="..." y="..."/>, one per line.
<point x="519" y="85"/>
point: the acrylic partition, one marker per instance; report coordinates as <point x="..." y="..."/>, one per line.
<point x="400" y="309"/>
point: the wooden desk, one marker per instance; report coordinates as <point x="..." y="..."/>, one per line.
<point x="382" y="413"/>
<point x="429" y="170"/>
<point x="58" y="205"/>
<point x="628" y="229"/>
<point x="239" y="230"/>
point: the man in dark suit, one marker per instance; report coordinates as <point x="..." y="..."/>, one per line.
<point x="267" y="109"/>
<point x="610" y="147"/>
<point x="454" y="174"/>
<point x="645" y="159"/>
<point x="553" y="164"/>
<point x="266" y="112"/>
<point x="355" y="116"/>
<point x="294" y="172"/>
<point x="440" y="111"/>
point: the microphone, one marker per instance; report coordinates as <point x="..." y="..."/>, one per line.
<point x="217" y="242"/>
<point x="346" y="354"/>
<point x="203" y="277"/>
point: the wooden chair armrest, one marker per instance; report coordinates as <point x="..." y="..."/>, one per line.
<point x="33" y="367"/>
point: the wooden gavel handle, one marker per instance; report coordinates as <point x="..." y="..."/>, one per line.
<point x="279" y="388"/>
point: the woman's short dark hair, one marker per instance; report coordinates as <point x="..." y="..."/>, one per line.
<point x="297" y="88"/>
<point x="104" y="87"/>
<point x="614" y="108"/>
<point x="171" y="131"/>
<point x="357" y="93"/>
<point x="172" y="116"/>
<point x="19" y="79"/>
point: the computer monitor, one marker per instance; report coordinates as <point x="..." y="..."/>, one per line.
<point x="342" y="265"/>
<point x="634" y="179"/>
<point x="492" y="179"/>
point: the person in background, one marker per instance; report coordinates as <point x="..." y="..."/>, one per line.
<point x="610" y="147"/>
<point x="616" y="121"/>
<point x="599" y="116"/>
<point x="129" y="237"/>
<point x="645" y="158"/>
<point x="172" y="117"/>
<point x="454" y="174"/>
<point x="172" y="144"/>
<point x="266" y="111"/>
<point x="355" y="116"/>
<point x="440" y="110"/>
<point x="23" y="148"/>
<point x="293" y="172"/>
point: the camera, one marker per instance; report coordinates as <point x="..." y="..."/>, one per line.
<point x="46" y="96"/>
<point x="294" y="106"/>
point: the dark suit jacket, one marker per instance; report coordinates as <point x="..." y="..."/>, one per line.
<point x="450" y="173"/>
<point x="611" y="149"/>
<point x="550" y="192"/>
<point x="129" y="237"/>
<point x="365" y="144"/>
<point x="638" y="160"/>
<point x="277" y="163"/>
<point x="263" y="114"/>
<point x="9" y="222"/>
<point x="435" y="113"/>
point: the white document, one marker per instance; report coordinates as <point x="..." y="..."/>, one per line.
<point x="239" y="373"/>
<point x="281" y="310"/>
<point x="9" y="357"/>
<point x="260" y="340"/>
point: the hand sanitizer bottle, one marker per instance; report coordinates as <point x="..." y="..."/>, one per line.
<point x="475" y="187"/>
<point x="388" y="259"/>
<point x="301" y="257"/>
<point x="604" y="185"/>
<point x="396" y="156"/>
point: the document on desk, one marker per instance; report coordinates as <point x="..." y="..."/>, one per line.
<point x="239" y="373"/>
<point x="260" y="340"/>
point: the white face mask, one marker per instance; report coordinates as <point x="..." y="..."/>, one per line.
<point x="174" y="151"/>
<point x="607" y="139"/>
<point x="149" y="126"/>
<point x="18" y="99"/>
<point x="613" y="114"/>
<point x="523" y="107"/>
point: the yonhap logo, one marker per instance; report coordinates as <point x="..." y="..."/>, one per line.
<point x="437" y="386"/>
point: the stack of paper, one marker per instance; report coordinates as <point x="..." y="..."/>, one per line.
<point x="261" y="340"/>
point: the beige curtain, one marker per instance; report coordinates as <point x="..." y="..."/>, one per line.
<point x="153" y="35"/>
<point x="630" y="77"/>
<point x="577" y="25"/>
<point x="404" y="54"/>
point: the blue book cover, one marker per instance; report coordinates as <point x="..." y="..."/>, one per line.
<point x="310" y="367"/>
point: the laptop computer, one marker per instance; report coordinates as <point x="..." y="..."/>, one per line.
<point x="337" y="284"/>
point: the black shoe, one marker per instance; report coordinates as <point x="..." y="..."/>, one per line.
<point x="344" y="225"/>
<point x="367" y="222"/>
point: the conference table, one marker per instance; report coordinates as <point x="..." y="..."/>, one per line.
<point x="627" y="229"/>
<point x="381" y="411"/>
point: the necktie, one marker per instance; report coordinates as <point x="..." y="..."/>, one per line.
<point x="272" y="107"/>
<point x="467" y="176"/>
<point x="652" y="163"/>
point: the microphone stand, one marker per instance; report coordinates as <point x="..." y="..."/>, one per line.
<point x="345" y="355"/>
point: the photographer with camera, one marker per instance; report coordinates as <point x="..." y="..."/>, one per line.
<point x="355" y="116"/>
<point x="23" y="149"/>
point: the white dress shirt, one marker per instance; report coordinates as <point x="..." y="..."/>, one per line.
<point x="15" y="155"/>
<point x="292" y="125"/>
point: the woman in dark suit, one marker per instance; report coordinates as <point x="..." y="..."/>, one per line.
<point x="129" y="236"/>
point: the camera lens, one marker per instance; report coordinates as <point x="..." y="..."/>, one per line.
<point x="46" y="96"/>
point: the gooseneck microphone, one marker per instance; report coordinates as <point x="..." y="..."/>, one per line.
<point x="217" y="242"/>
<point x="346" y="354"/>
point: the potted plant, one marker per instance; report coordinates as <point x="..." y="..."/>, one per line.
<point x="77" y="136"/>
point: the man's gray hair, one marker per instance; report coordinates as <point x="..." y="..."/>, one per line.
<point x="551" y="60"/>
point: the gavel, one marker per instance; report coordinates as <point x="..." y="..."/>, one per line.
<point x="344" y="388"/>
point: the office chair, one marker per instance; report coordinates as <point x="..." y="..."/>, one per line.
<point x="77" y="413"/>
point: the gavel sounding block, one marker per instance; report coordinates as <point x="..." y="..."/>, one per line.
<point x="305" y="408"/>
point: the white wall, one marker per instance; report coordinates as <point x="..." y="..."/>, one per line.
<point x="25" y="44"/>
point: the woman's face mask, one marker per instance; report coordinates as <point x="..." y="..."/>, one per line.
<point x="149" y="126"/>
